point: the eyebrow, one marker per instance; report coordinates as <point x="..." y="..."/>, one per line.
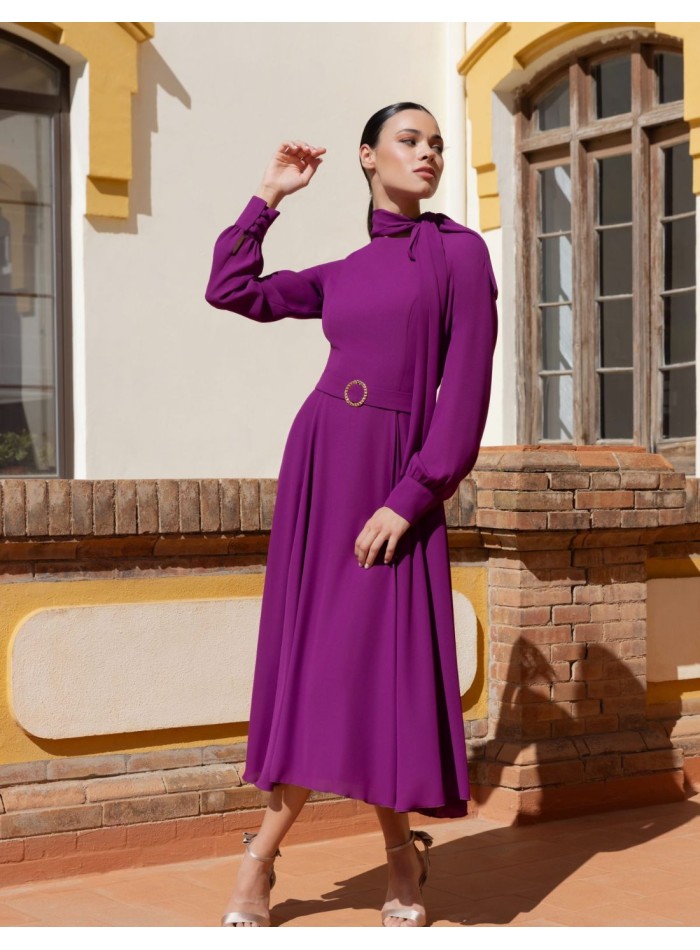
<point x="418" y="132"/>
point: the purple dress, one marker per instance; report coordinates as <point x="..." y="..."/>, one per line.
<point x="356" y="688"/>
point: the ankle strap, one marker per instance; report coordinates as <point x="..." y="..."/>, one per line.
<point x="247" y="838"/>
<point x="415" y="836"/>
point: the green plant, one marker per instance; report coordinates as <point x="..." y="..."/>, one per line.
<point x="15" y="447"/>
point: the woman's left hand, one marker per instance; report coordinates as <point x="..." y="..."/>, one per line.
<point x="385" y="525"/>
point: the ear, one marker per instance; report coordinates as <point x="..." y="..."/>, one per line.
<point x="367" y="156"/>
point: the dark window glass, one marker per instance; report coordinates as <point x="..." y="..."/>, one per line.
<point x="678" y="179"/>
<point x="679" y="328"/>
<point x="679" y="253"/>
<point x="616" y="333"/>
<point x="669" y="76"/>
<point x="615" y="189"/>
<point x="613" y="87"/>
<point x="679" y="402"/>
<point x="553" y="108"/>
<point x="615" y="261"/>
<point x="616" y="406"/>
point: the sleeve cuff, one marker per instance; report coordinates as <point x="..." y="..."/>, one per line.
<point x="410" y="499"/>
<point x="256" y="217"/>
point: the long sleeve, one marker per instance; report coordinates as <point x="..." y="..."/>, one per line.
<point x="236" y="284"/>
<point x="451" y="446"/>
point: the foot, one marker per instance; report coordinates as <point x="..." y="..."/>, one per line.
<point x="251" y="892"/>
<point x="405" y="869"/>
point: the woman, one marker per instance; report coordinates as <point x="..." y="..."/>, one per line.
<point x="356" y="687"/>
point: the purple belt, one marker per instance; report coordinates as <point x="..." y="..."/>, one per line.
<point x="356" y="392"/>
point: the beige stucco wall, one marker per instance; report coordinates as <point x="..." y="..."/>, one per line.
<point x="173" y="387"/>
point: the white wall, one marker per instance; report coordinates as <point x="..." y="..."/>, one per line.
<point x="174" y="387"/>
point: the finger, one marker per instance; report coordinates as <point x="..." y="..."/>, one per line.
<point x="390" y="548"/>
<point x="374" y="549"/>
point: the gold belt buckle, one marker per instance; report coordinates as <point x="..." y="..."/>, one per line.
<point x="347" y="398"/>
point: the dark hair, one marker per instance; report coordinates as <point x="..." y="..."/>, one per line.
<point x="370" y="136"/>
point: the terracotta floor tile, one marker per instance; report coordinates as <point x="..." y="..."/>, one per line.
<point x="483" y="874"/>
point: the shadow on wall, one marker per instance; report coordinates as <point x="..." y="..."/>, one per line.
<point x="153" y="74"/>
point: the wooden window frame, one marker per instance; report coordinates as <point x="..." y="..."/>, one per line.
<point x="641" y="133"/>
<point x="58" y="107"/>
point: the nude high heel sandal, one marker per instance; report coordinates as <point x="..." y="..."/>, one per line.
<point x="398" y="910"/>
<point x="235" y="916"/>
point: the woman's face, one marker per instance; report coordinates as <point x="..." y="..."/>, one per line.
<point x="409" y="142"/>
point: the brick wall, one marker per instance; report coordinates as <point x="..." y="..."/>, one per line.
<point x="565" y="533"/>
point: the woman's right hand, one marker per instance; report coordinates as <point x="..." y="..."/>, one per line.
<point x="292" y="167"/>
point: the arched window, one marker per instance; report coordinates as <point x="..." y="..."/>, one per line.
<point x="34" y="262"/>
<point x="608" y="241"/>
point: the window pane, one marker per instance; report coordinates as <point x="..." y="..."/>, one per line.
<point x="556" y="269"/>
<point x="555" y="198"/>
<point x="615" y="189"/>
<point x="28" y="386"/>
<point x="553" y="108"/>
<point x="21" y="71"/>
<point x="616" y="333"/>
<point x="558" y="407"/>
<point x="27" y="295"/>
<point x="557" y="338"/>
<point x="616" y="406"/>
<point x="613" y="87"/>
<point x="679" y="328"/>
<point x="678" y="179"/>
<point x="615" y="260"/>
<point x="669" y="71"/>
<point x="679" y="402"/>
<point x="679" y="253"/>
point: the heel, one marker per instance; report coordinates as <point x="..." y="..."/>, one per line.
<point x="410" y="913"/>
<point x="240" y="917"/>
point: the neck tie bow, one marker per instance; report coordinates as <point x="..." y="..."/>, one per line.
<point x="427" y="249"/>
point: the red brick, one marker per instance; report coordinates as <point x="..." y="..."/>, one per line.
<point x="585" y="707"/>
<point x="103" y="504"/>
<point x="604" y="480"/>
<point x="189" y="506"/>
<point x="228" y="799"/>
<point x="630" y="648"/>
<point x="568" y="691"/>
<point x="567" y="651"/>
<point x="511" y="520"/>
<point x="85" y="766"/>
<point x="653" y="761"/>
<point x="588" y="632"/>
<point x="146" y="506"/>
<point x="604" y="499"/>
<point x="625" y="629"/>
<point x="512" y="481"/>
<point x="551" y="773"/>
<point x="532" y="500"/>
<point x="22" y="773"/>
<point x="37" y="507"/>
<point x="44" y="847"/>
<point x="125" y="786"/>
<point x="81" y="506"/>
<point x="125" y="506"/>
<point x="646" y="518"/>
<point x="14" y="512"/>
<point x="163" y="759"/>
<point x="151" y="808"/>
<point x="45" y="795"/>
<point x="207" y="776"/>
<point x="529" y="597"/>
<point x="672" y="516"/>
<point x="209" y="500"/>
<point x="101" y="839"/>
<point x="43" y="821"/>
<point x="58" y="506"/>
<point x="230" y="504"/>
<point x="608" y="517"/>
<point x="603" y="766"/>
<point x="168" y="505"/>
<point x="11" y="852"/>
<point x="232" y="752"/>
<point x="521" y="615"/>
<point x="568" y="520"/>
<point x="147" y="835"/>
<point x="588" y="594"/>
